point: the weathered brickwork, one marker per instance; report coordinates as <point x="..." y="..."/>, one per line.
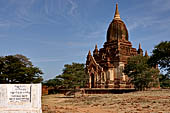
<point x="105" y="66"/>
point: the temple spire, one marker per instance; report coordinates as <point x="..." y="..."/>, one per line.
<point x="95" y="52"/>
<point x="117" y="16"/>
<point x="139" y="46"/>
<point x="146" y="53"/>
<point x="96" y="47"/>
<point x="140" y="51"/>
<point x="89" y="54"/>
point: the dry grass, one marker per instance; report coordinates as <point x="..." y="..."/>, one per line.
<point x="135" y="102"/>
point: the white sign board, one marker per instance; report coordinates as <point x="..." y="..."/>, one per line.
<point x="19" y="93"/>
<point x="20" y="98"/>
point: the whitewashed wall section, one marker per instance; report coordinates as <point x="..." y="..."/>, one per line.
<point x="20" y="98"/>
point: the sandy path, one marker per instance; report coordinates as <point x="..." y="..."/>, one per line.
<point x="136" y="102"/>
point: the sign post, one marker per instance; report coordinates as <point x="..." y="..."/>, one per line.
<point x="20" y="98"/>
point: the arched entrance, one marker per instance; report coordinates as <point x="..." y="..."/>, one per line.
<point x="92" y="80"/>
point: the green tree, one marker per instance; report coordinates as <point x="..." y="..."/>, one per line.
<point x="143" y="76"/>
<point x="18" y="69"/>
<point x="161" y="57"/>
<point x="53" y="82"/>
<point x="164" y="81"/>
<point x="73" y="75"/>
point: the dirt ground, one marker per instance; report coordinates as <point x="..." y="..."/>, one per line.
<point x="134" y="102"/>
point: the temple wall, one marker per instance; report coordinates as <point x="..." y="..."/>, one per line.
<point x="103" y="77"/>
<point x="89" y="81"/>
<point x="110" y="73"/>
<point x="121" y="67"/>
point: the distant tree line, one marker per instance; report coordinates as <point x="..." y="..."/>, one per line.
<point x="18" y="69"/>
<point x="73" y="75"/>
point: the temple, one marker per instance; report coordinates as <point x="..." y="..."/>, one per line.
<point x="105" y="66"/>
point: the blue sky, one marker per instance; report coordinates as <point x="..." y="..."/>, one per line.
<point x="56" y="32"/>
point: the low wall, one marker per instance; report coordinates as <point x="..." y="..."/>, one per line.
<point x="44" y="90"/>
<point x="108" y="90"/>
<point x="95" y="90"/>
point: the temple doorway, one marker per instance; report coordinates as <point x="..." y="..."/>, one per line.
<point x="92" y="81"/>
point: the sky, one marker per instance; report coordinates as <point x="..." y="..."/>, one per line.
<point x="53" y="33"/>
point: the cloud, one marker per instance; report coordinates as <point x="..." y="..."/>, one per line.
<point x="3" y="36"/>
<point x="156" y="21"/>
<point x="46" y="59"/>
<point x="28" y="12"/>
<point x="74" y="6"/>
<point x="161" y="5"/>
<point x="75" y="44"/>
<point x="149" y="22"/>
<point x="140" y="22"/>
<point x="56" y="11"/>
<point x="15" y="13"/>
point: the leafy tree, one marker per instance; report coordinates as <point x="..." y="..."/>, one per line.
<point x="53" y="82"/>
<point x="73" y="75"/>
<point x="161" y="56"/>
<point x="18" y="69"/>
<point x="164" y="81"/>
<point x="143" y="76"/>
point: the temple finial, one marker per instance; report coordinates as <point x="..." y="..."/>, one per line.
<point x="140" y="51"/>
<point x="89" y="54"/>
<point x="139" y="46"/>
<point x="146" y="53"/>
<point x="96" y="46"/>
<point x="95" y="50"/>
<point x="117" y="16"/>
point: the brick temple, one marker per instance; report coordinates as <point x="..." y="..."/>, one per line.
<point x="105" y="66"/>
